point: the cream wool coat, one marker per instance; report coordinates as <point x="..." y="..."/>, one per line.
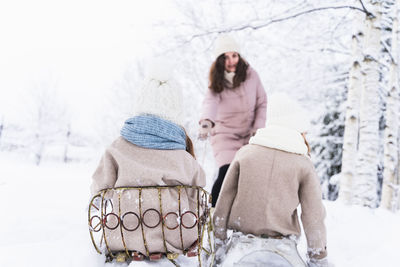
<point x="125" y="164"/>
<point x="265" y="184"/>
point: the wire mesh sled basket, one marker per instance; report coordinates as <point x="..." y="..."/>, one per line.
<point x="116" y="214"/>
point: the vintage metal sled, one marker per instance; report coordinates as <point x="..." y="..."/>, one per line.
<point x="103" y="217"/>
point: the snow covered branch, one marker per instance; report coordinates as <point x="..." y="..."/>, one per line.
<point x="272" y="21"/>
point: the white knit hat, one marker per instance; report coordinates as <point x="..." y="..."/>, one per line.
<point x="160" y="95"/>
<point x="225" y="43"/>
<point x="286" y="112"/>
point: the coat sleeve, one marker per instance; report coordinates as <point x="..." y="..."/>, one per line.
<point x="225" y="200"/>
<point x="105" y="175"/>
<point x="313" y="213"/>
<point x="261" y="106"/>
<point x="210" y="106"/>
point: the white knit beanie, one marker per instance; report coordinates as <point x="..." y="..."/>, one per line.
<point x="225" y="43"/>
<point x="286" y="112"/>
<point x="160" y="95"/>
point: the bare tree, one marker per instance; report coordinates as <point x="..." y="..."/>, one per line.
<point x="265" y="43"/>
<point x="67" y="141"/>
<point x="48" y="117"/>
<point x="361" y="156"/>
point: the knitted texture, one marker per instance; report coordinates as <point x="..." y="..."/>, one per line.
<point x="153" y="132"/>
<point x="225" y="43"/>
<point x="160" y="94"/>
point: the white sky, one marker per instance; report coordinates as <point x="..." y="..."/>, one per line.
<point x="83" y="45"/>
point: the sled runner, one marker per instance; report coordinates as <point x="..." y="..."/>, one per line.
<point x="106" y="216"/>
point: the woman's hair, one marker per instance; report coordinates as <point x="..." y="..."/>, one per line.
<point x="189" y="145"/>
<point x="217" y="75"/>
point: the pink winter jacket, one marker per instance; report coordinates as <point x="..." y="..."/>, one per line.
<point x="236" y="113"/>
<point x="125" y="164"/>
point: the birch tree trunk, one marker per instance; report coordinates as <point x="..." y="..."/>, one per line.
<point x="366" y="181"/>
<point x="391" y="180"/>
<point x="350" y="137"/>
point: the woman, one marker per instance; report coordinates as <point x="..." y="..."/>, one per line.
<point x="267" y="181"/>
<point x="234" y="106"/>
<point x="153" y="150"/>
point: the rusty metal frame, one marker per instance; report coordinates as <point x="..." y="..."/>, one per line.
<point x="203" y="221"/>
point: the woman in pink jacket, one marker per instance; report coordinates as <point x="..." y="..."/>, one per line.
<point x="234" y="106"/>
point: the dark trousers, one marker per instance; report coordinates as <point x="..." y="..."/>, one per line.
<point x="218" y="184"/>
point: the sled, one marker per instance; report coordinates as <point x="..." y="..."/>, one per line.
<point x="101" y="216"/>
<point x="249" y="250"/>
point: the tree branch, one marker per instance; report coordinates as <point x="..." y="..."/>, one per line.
<point x="277" y="20"/>
<point x="365" y="10"/>
<point x="389" y="53"/>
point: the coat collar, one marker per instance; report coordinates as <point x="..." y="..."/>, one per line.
<point x="282" y="138"/>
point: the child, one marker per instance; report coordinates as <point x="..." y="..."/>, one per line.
<point x="153" y="150"/>
<point x="269" y="178"/>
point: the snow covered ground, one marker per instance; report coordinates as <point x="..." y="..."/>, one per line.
<point x="44" y="222"/>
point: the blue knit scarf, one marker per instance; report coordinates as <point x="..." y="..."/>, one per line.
<point x="153" y="132"/>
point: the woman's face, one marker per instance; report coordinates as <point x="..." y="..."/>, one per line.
<point x="231" y="61"/>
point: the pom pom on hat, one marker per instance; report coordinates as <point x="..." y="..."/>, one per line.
<point x="286" y="112"/>
<point x="160" y="95"/>
<point x="159" y="69"/>
<point x="225" y="43"/>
